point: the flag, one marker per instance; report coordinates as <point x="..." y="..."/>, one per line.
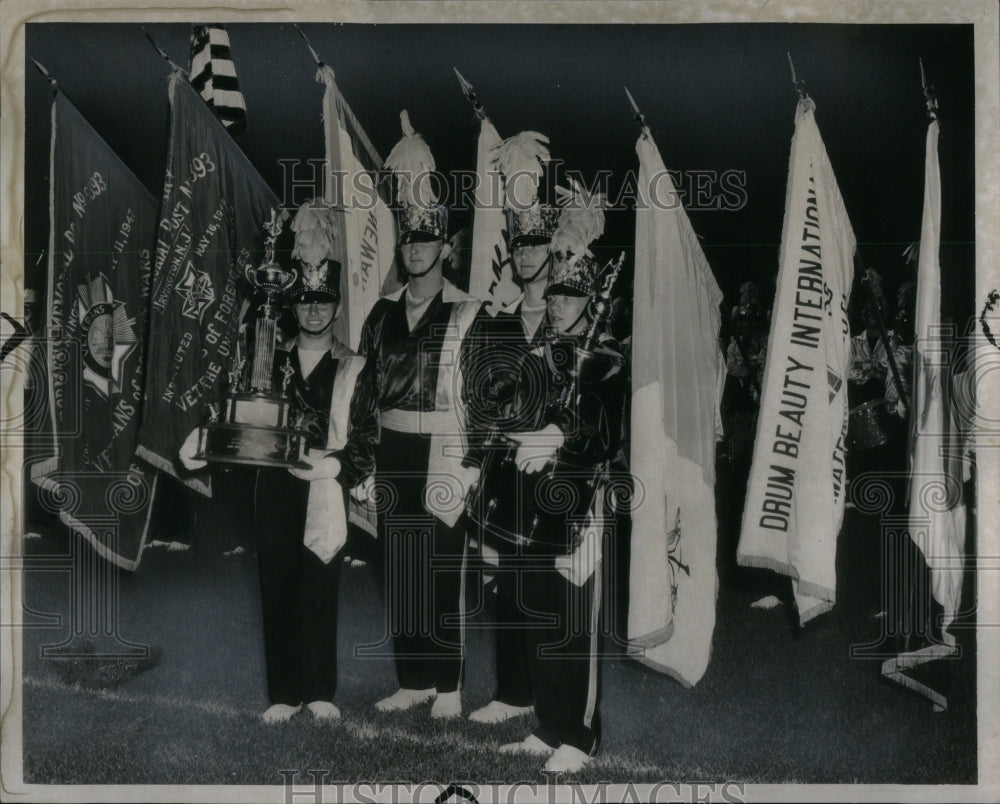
<point x="676" y="370"/>
<point x="366" y="241"/>
<point x="937" y="510"/>
<point x="490" y="277"/>
<point x="795" y="496"/>
<point x="213" y="75"/>
<point x="211" y="224"/>
<point x="102" y="231"/>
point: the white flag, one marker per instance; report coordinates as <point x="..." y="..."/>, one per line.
<point x="795" y="496"/>
<point x="937" y="512"/>
<point x="676" y="372"/>
<point x="490" y="272"/>
<point x="367" y="243"/>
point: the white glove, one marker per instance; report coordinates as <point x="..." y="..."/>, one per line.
<point x="537" y="448"/>
<point x="469" y="478"/>
<point x="320" y="468"/>
<point x="188" y="450"/>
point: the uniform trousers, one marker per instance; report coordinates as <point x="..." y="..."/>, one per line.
<point x="424" y="568"/>
<point x="563" y="664"/>
<point x="298" y="595"/>
<point x="513" y="680"/>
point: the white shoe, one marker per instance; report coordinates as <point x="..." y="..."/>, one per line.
<point x="529" y="745"/>
<point x="498" y="712"/>
<point x="324" y="710"/>
<point x="280" y="713"/>
<point x="566" y="759"/>
<point x="447" y="705"/>
<point x="404" y="699"/>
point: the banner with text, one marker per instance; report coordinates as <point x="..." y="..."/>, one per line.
<point x="102" y="232"/>
<point x="366" y="242"/>
<point x="214" y="208"/>
<point x="795" y="496"/>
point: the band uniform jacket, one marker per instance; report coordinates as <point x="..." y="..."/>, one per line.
<point x="583" y="394"/>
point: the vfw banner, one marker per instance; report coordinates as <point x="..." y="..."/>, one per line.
<point x="366" y="243"/>
<point x="213" y="212"/>
<point x="102" y="231"/>
<point x="795" y="496"/>
<point x="677" y="369"/>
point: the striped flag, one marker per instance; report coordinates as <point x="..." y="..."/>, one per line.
<point x="213" y="75"/>
<point x="677" y="368"/>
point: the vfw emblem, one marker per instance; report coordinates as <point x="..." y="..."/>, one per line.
<point x="195" y="288"/>
<point x="108" y="335"/>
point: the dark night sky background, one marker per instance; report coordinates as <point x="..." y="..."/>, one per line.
<point x="717" y="97"/>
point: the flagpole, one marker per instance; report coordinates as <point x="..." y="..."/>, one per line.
<point x="800" y="85"/>
<point x="162" y="52"/>
<point x="930" y="98"/>
<point x="470" y="94"/>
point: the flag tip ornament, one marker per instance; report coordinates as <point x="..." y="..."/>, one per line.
<point x="315" y="55"/>
<point x="930" y="98"/>
<point x="470" y="93"/>
<point x="800" y="85"/>
<point x="640" y="118"/>
<point x="161" y="51"/>
<point x="49" y="78"/>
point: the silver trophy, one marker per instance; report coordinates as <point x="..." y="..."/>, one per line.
<point x="253" y="425"/>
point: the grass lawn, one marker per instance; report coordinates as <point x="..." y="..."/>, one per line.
<point x="776" y="705"/>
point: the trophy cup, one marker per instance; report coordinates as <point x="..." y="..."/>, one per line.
<point x="253" y="425"/>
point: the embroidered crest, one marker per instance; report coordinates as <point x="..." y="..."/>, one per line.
<point x="108" y="335"/>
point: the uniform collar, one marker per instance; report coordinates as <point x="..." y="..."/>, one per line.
<point x="449" y="293"/>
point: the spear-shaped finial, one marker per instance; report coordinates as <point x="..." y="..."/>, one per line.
<point x="640" y="118"/>
<point x="929" y="97"/>
<point x="162" y="52"/>
<point x="470" y="93"/>
<point x="316" y="58"/>
<point x="800" y="86"/>
<point x="49" y="78"/>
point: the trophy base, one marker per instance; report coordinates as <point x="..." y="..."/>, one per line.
<point x="253" y="446"/>
<point x="253" y="432"/>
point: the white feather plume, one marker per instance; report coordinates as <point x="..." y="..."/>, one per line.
<point x="521" y="159"/>
<point x="581" y="221"/>
<point x="410" y="158"/>
<point x="315" y="230"/>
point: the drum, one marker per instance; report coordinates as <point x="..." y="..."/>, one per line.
<point x="539" y="509"/>
<point x="867" y="426"/>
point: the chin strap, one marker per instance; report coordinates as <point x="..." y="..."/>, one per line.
<point x="411" y="275"/>
<point x="534" y="276"/>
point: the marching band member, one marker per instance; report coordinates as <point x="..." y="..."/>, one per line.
<point x="299" y="524"/>
<point x="500" y="344"/>
<point x="571" y="432"/>
<point x="414" y="338"/>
